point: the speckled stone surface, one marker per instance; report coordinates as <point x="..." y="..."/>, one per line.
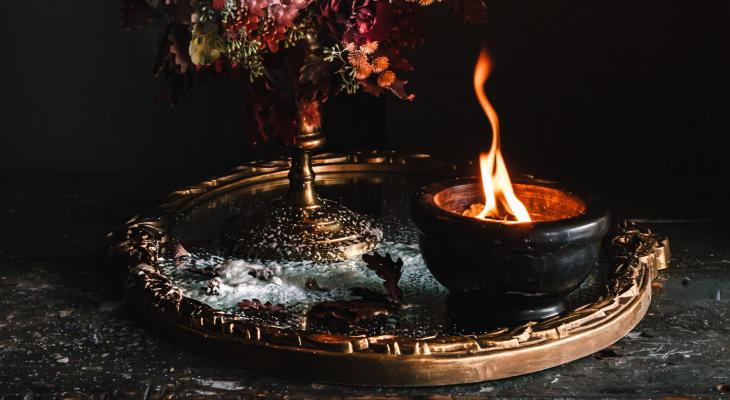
<point x="64" y="329"/>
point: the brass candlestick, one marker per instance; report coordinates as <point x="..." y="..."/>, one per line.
<point x="301" y="226"/>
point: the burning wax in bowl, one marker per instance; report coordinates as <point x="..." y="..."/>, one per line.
<point x="541" y="202"/>
<point x="525" y="268"/>
<point x="514" y="250"/>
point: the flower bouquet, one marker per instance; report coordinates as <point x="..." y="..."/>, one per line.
<point x="288" y="55"/>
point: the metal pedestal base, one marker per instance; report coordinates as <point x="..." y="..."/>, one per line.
<point x="321" y="233"/>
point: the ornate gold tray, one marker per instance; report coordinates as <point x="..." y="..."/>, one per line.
<point x="420" y="345"/>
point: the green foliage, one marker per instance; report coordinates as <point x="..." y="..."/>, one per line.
<point x="346" y="73"/>
<point x="248" y="54"/>
<point x="297" y="32"/>
<point x="205" y="12"/>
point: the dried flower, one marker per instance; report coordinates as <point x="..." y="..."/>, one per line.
<point x="380" y="64"/>
<point x="363" y="71"/>
<point x="386" y="79"/>
<point x="369" y="47"/>
<point x="228" y="38"/>
<point x="357" y="59"/>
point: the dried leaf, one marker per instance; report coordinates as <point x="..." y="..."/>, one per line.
<point x="180" y="251"/>
<point x="371" y="88"/>
<point x="389" y="270"/>
<point x="257" y="305"/>
<point x="350" y="312"/>
<point x="398" y="88"/>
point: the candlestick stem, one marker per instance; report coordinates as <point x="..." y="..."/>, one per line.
<point x="302" y="226"/>
<point x="302" y="192"/>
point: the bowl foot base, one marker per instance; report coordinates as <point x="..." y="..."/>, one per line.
<point x="484" y="311"/>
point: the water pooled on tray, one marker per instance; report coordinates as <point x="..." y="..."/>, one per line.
<point x="298" y="286"/>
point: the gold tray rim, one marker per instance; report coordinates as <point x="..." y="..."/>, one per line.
<point x="375" y="360"/>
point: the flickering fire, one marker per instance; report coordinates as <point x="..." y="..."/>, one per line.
<point x="501" y="202"/>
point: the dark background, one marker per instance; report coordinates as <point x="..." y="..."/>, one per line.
<point x="629" y="99"/>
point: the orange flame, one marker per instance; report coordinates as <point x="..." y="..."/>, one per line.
<point x="501" y="202"/>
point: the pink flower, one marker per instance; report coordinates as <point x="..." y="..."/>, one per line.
<point x="219" y="5"/>
<point x="255" y="7"/>
<point x="285" y="11"/>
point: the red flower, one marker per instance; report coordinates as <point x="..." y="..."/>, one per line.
<point x="219" y="5"/>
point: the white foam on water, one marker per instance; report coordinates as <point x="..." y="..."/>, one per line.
<point x="235" y="282"/>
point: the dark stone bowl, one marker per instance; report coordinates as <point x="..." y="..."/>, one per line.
<point x="510" y="271"/>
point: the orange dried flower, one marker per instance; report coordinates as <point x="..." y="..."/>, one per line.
<point x="369" y="47"/>
<point x="309" y="117"/>
<point x="380" y="64"/>
<point x="357" y="59"/>
<point x="363" y="72"/>
<point x="386" y="79"/>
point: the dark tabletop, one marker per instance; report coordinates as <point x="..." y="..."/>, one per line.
<point x="64" y="329"/>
